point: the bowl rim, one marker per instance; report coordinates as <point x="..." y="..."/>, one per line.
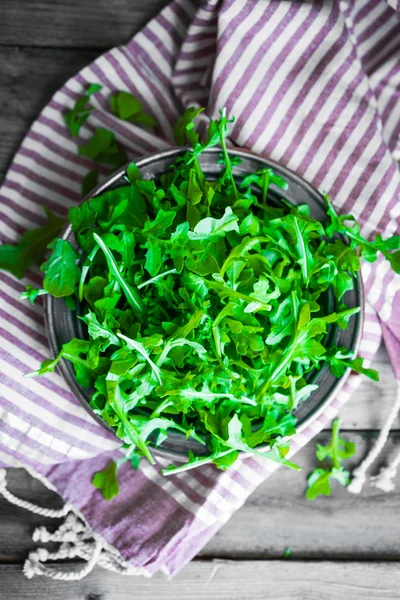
<point x="165" y="154"/>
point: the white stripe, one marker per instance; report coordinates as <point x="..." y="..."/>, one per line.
<point x="20" y="312"/>
<point x="163" y="37"/>
<point x="63" y="406"/>
<point x="58" y="423"/>
<point x="377" y="36"/>
<point x="380" y="208"/>
<point x="17" y="446"/>
<point x="256" y="14"/>
<point x="302" y="111"/>
<point x="39" y="189"/>
<point x="279" y="77"/>
<point x="8" y="460"/>
<point x="348" y="148"/>
<point x="330" y="138"/>
<point x="228" y="16"/>
<point x="356" y="174"/>
<point x="41" y="437"/>
<point x="370" y="18"/>
<point x="178" y="495"/>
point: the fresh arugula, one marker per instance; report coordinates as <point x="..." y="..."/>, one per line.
<point x="106" y="481"/>
<point x="319" y="481"/>
<point x="205" y="304"/>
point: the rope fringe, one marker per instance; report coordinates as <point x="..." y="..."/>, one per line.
<point x="382" y="481"/>
<point x="76" y="540"/>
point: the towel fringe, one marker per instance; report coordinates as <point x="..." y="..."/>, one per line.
<point x="382" y="481"/>
<point x="77" y="540"/>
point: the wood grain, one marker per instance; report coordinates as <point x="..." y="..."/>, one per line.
<point x="221" y="580"/>
<point x="275" y="517"/>
<point x="96" y="24"/>
<point x="29" y="78"/>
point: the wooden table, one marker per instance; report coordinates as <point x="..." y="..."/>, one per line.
<point x="342" y="547"/>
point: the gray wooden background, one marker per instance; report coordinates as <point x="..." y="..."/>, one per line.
<point x="342" y="547"/>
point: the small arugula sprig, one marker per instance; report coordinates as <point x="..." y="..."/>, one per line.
<point x="79" y="114"/>
<point x="106" y="481"/>
<point x="319" y="481"/>
<point x="128" y="108"/>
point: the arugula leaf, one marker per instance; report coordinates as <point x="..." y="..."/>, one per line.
<point x="319" y="481"/>
<point x="102" y="147"/>
<point x="32" y="293"/>
<point x="368" y="249"/>
<point x="61" y="270"/>
<point x="78" y="115"/>
<point x="106" y="481"/>
<point x="184" y="128"/>
<point x="18" y="258"/>
<point x="128" y="108"/>
<point x="340" y="359"/>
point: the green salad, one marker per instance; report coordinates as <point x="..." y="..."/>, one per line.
<point x="204" y="304"/>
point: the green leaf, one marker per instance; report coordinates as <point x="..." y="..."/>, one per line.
<point x="18" y="258"/>
<point x="78" y="115"/>
<point x="319" y="480"/>
<point x="209" y="227"/>
<point x="128" y="108"/>
<point x="61" y="270"/>
<point x="106" y="481"/>
<point x="102" y="147"/>
<point x="184" y="128"/>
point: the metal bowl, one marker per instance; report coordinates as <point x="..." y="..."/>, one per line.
<point x="62" y="324"/>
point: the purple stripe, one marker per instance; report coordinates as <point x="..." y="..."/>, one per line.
<point x="193" y="495"/>
<point x="170" y="28"/>
<point x="195" y="37"/>
<point x="377" y="23"/>
<point x="341" y="106"/>
<point x="38" y="421"/>
<point x="324" y="97"/>
<point x="50" y="406"/>
<point x="15" y="226"/>
<point x="47" y="163"/>
<point x="387" y="280"/>
<point x="43" y="181"/>
<point x="340" y="142"/>
<point x="364" y="11"/>
<point x="55" y="148"/>
<point x="24" y="328"/>
<point x="28" y="441"/>
<point x="238" y="52"/>
<point x="381" y="43"/>
<point x="16" y="302"/>
<point x="21" y="458"/>
<point x="366" y="177"/>
<point x="166" y="52"/>
<point x="285" y="86"/>
<point x="33" y="196"/>
<point x="355" y="157"/>
<point x="34" y="218"/>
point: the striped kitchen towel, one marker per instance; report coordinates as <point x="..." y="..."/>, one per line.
<point x="313" y="85"/>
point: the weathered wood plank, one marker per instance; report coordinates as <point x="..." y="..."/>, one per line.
<point x="29" y="78"/>
<point x="96" y="24"/>
<point x="222" y="580"/>
<point x="275" y="517"/>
